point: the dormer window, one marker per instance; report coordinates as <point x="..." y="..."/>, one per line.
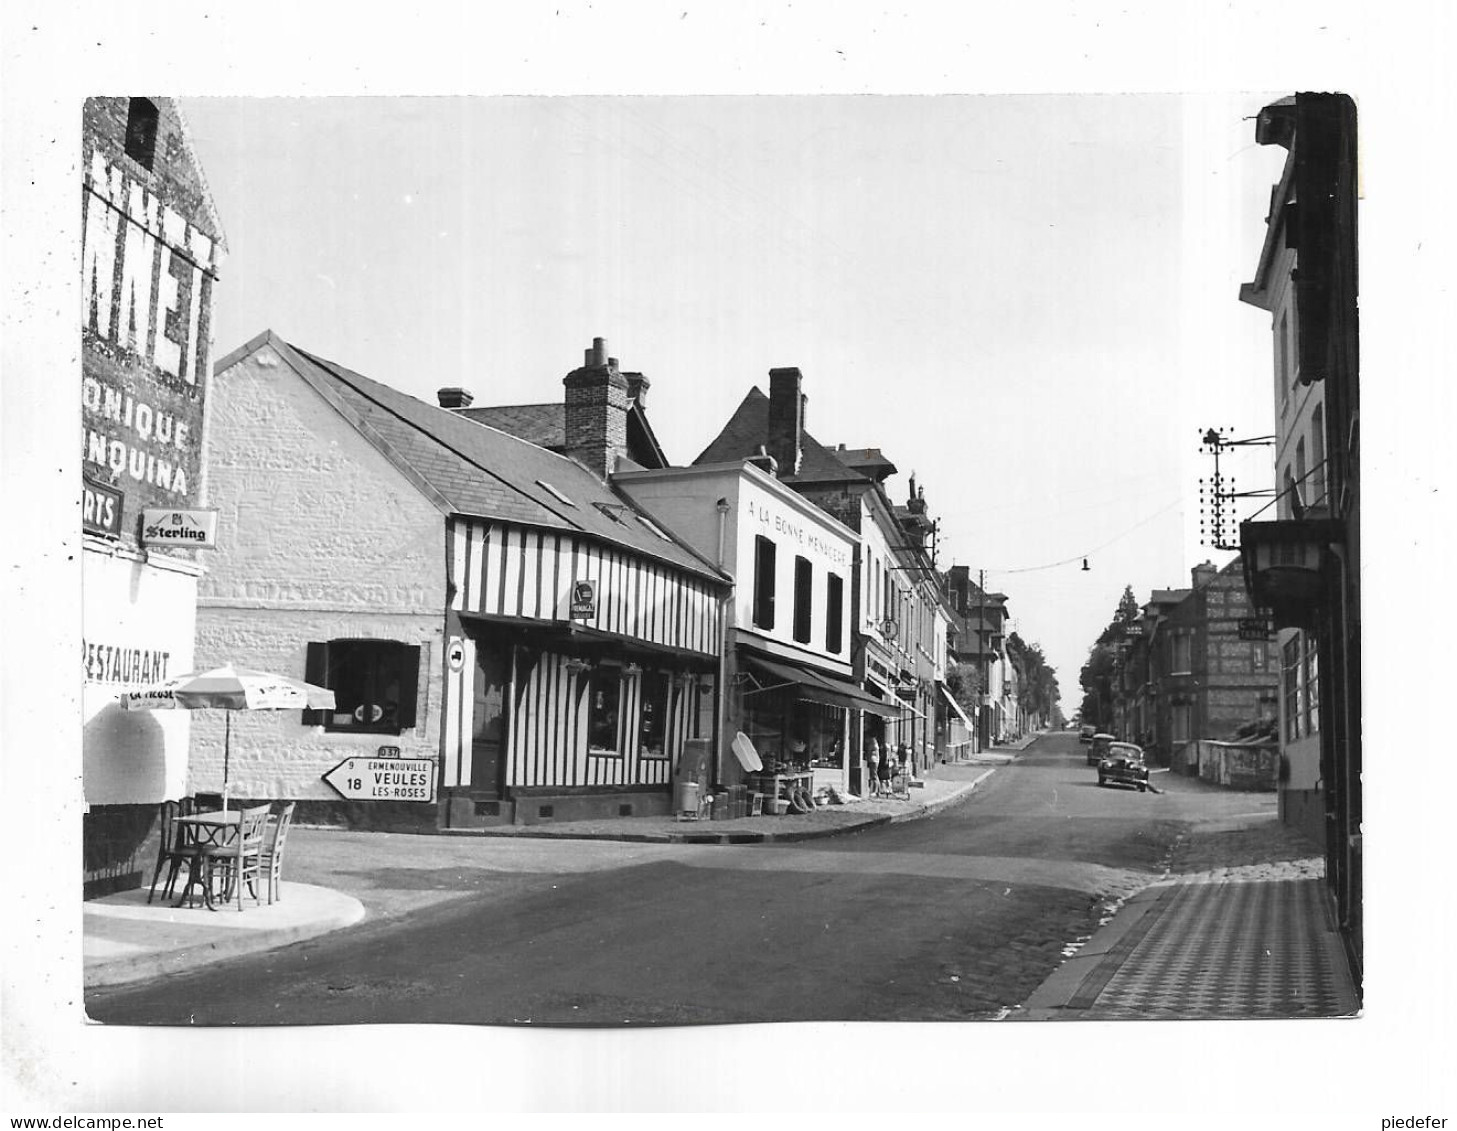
<point x="141" y="132"/>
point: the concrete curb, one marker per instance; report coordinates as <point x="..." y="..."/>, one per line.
<point x="744" y="836"/>
<point x="1074" y="985"/>
<point x="329" y="910"/>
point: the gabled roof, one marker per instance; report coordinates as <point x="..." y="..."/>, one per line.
<point x="474" y="470"/>
<point x="748" y="428"/>
<point x="1168" y="596"/>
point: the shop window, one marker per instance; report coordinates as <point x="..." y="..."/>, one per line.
<point x="604" y="693"/>
<point x="374" y="684"/>
<point x="834" y="613"/>
<point x="764" y="553"/>
<point x="803" y="598"/>
<point x="141" y="132"/>
<point x="653" y="726"/>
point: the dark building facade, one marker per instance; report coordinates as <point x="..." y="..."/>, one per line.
<point x="1303" y="568"/>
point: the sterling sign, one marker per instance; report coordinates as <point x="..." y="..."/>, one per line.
<point x="192" y="529"/>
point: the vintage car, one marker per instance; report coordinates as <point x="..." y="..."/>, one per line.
<point x="1085" y="735"/>
<point x="1098" y="748"/>
<point x="1124" y="765"/>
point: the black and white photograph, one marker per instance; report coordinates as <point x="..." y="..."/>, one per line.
<point x="630" y="585"/>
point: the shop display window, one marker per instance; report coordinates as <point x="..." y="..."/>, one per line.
<point x="653" y="725"/>
<point x="374" y="684"/>
<point x="604" y="699"/>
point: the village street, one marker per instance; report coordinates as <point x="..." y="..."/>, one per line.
<point x="958" y="916"/>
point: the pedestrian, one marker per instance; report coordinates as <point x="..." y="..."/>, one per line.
<point x="882" y="771"/>
<point x="872" y="763"/>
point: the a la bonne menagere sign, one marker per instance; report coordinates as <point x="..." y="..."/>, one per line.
<point x="786" y="527"/>
<point x="146" y="289"/>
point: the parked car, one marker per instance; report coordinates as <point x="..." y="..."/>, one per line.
<point x="1098" y="748"/>
<point x="1124" y="765"/>
<point x="1085" y="735"/>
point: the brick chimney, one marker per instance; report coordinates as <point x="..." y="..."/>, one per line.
<point x="1204" y="574"/>
<point x="453" y="397"/>
<point x="596" y="416"/>
<point x="786" y="419"/>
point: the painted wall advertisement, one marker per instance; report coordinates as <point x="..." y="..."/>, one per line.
<point x="146" y="287"/>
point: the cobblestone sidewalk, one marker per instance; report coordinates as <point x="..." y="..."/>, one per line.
<point x="1239" y="929"/>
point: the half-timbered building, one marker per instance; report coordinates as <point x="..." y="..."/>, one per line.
<point x="472" y="598"/>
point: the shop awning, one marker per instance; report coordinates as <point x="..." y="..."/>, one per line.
<point x="955" y="706"/>
<point x="817" y="687"/>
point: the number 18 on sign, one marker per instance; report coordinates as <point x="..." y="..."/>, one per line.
<point x="383" y="779"/>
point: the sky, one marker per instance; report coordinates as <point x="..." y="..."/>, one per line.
<point x="1027" y="302"/>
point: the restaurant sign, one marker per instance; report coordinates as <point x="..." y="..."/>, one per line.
<point x="383" y="779"/>
<point x="195" y="529"/>
<point x="1254" y="628"/>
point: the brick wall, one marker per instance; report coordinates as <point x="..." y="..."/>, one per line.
<point x="320" y="537"/>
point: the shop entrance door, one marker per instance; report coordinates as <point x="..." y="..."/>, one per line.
<point x="488" y="728"/>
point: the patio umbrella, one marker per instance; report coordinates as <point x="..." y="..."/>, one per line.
<point x="231" y="689"/>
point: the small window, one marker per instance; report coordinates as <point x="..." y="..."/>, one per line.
<point x="803" y="598"/>
<point x="610" y="510"/>
<point x="653" y="727"/>
<point x="1317" y="454"/>
<point x="1183" y="649"/>
<point x="554" y="492"/>
<point x="605" y="695"/>
<point x="764" y="553"/>
<point x="141" y="132"/>
<point x="834" y="613"/>
<point x="374" y="684"/>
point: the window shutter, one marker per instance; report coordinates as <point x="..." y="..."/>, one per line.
<point x="409" y="683"/>
<point x="316" y="671"/>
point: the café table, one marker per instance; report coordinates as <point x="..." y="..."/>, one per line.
<point x="205" y="830"/>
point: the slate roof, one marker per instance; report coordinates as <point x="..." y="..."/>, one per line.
<point x="545" y="425"/>
<point x="472" y="469"/>
<point x="748" y="428"/>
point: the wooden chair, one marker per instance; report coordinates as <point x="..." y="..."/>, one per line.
<point x="207" y="802"/>
<point x="173" y="851"/>
<point x="240" y="859"/>
<point x="272" y="862"/>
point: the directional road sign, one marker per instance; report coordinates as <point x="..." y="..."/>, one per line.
<point x="384" y="779"/>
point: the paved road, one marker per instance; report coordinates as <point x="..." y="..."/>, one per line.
<point x="955" y="917"/>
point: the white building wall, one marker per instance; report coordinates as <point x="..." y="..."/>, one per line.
<point x="319" y="537"/>
<point x="138" y="621"/>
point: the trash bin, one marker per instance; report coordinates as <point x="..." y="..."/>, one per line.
<point x="685" y="797"/>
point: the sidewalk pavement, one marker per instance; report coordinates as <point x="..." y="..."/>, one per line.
<point x="1250" y="941"/>
<point x="125" y="939"/>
